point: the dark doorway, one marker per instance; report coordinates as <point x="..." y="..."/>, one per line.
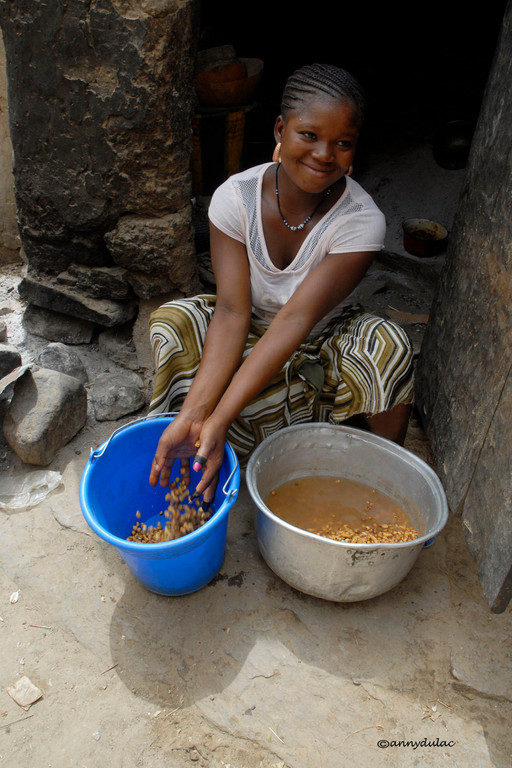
<point x="421" y="65"/>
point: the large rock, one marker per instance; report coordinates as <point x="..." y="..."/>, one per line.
<point x="10" y="358"/>
<point x="117" y="344"/>
<point x="115" y="395"/>
<point x="55" y="326"/>
<point x="463" y="383"/>
<point x="150" y="286"/>
<point x="97" y="282"/>
<point x="47" y="409"/>
<point x="101" y="99"/>
<point x="146" y="245"/>
<point x="59" y="357"/>
<point x="104" y="312"/>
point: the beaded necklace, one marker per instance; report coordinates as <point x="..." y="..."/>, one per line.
<point x="299" y="226"/>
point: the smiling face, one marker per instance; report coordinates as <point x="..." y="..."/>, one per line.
<point x="318" y="143"/>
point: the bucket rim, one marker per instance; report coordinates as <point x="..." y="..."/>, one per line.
<point x="369" y="437"/>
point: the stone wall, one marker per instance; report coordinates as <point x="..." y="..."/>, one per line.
<point x="100" y="106"/>
<point x="9" y="238"/>
<point x="464" y="373"/>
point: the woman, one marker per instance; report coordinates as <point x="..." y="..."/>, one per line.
<point x="281" y="342"/>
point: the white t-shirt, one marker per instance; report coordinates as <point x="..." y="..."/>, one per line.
<point x="353" y="224"/>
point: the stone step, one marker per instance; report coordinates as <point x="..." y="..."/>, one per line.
<point x="104" y="312"/>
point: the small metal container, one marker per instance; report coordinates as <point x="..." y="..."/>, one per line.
<point x="423" y="237"/>
<point x="337" y="570"/>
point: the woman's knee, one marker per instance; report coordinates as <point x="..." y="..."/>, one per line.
<point x="180" y="325"/>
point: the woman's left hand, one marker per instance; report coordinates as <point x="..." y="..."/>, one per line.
<point x="209" y="457"/>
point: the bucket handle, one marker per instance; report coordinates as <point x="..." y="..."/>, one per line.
<point x="99" y="452"/>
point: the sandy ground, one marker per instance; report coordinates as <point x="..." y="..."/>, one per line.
<point x="247" y="672"/>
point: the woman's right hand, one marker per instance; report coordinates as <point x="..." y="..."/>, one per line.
<point x="178" y="441"/>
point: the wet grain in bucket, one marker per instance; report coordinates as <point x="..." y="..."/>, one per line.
<point x="341" y="509"/>
<point x="183" y="515"/>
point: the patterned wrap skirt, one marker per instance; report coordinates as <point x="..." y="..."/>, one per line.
<point x="359" y="364"/>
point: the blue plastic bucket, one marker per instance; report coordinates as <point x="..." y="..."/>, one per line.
<point x="115" y="485"/>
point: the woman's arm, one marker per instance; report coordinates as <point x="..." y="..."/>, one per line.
<point x="229" y="327"/>
<point x="224" y="344"/>
<point x="325" y="287"/>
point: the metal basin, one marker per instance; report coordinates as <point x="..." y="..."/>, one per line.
<point x="336" y="570"/>
<point x="423" y="237"/>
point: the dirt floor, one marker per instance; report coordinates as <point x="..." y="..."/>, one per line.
<point x="247" y="672"/>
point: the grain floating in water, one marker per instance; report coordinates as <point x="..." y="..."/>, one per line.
<point x="341" y="509"/>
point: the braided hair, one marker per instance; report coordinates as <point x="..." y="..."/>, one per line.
<point x="318" y="79"/>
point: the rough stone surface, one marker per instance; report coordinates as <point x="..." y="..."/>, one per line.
<point x="149" y="286"/>
<point x="117" y="344"/>
<point x="56" y="326"/>
<point x="9" y="237"/>
<point x="465" y="367"/>
<point x="48" y="408"/>
<point x="10" y="358"/>
<point x="100" y="97"/>
<point x="3" y="331"/>
<point x="116" y="395"/>
<point x="487" y="518"/>
<point x="140" y="337"/>
<point x="97" y="282"/>
<point x="59" y="357"/>
<point x="147" y="244"/>
<point x="103" y="312"/>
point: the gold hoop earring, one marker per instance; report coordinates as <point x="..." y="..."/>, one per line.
<point x="276" y="155"/>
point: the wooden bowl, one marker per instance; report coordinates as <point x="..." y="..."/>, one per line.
<point x="214" y="89"/>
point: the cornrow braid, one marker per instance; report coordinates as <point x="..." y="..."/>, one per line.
<point x="317" y="79"/>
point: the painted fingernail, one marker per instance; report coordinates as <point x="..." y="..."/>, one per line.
<point x="199" y="462"/>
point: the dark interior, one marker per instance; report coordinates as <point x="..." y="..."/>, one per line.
<point x="421" y="65"/>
